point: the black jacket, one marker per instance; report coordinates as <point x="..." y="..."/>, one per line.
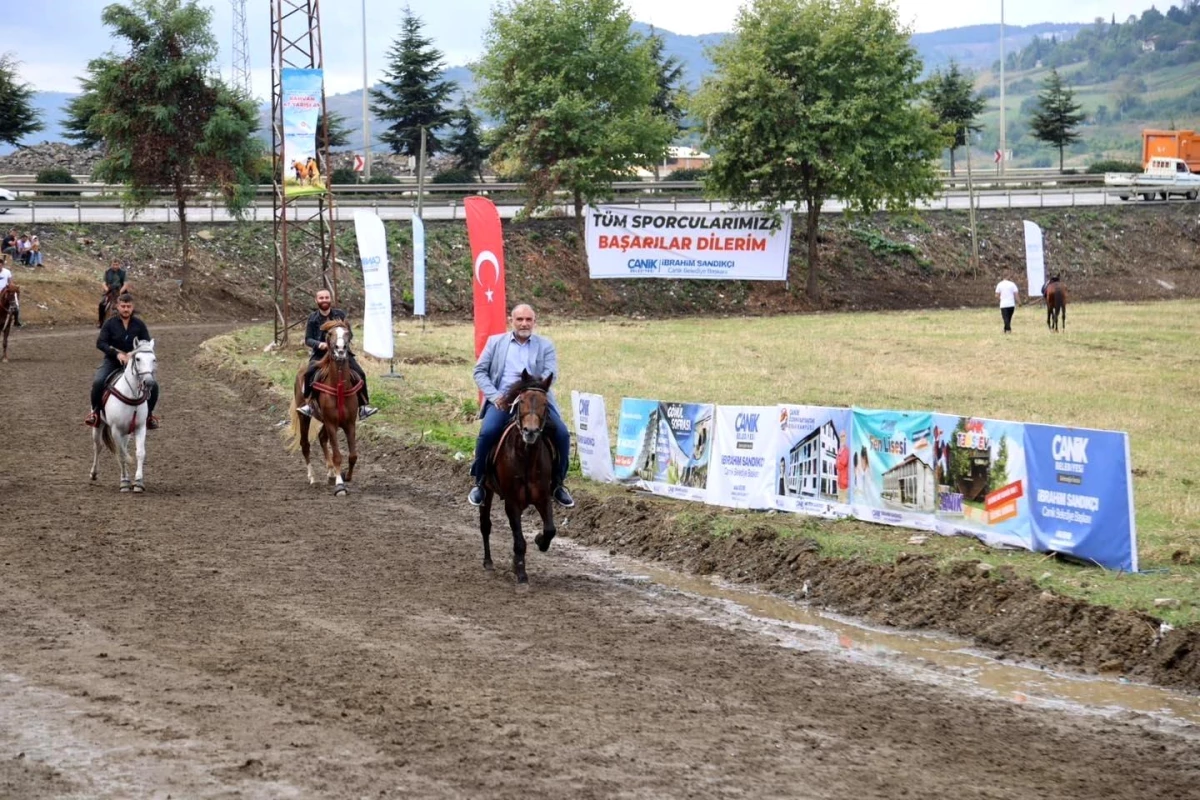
<point x="114" y="279"/>
<point x="115" y="337"/>
<point x="312" y="332"/>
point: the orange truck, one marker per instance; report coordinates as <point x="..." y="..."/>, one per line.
<point x="1184" y="145"/>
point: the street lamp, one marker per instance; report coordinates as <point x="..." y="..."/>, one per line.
<point x="366" y="115"/>
<point x="1003" y="132"/>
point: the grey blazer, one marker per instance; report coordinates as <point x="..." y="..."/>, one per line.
<point x="489" y="369"/>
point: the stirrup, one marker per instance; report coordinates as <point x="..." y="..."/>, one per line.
<point x="367" y="411"/>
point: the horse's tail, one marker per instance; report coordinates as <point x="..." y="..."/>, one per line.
<point x="106" y="436"/>
<point x="293" y="429"/>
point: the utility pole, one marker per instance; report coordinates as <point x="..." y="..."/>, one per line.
<point x="1003" y="131"/>
<point x="421" y="174"/>
<point x="366" y="112"/>
<point x="971" y="206"/>
<point x="241" y="49"/>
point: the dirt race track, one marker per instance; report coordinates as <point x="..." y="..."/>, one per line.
<point x="234" y="633"/>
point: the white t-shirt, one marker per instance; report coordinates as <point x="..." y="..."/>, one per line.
<point x="1008" y="293"/>
<point x="5" y="277"/>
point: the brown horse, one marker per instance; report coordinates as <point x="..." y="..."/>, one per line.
<point x="335" y="405"/>
<point x="109" y="307"/>
<point x="1056" y="303"/>
<point x="521" y="470"/>
<point x="10" y="301"/>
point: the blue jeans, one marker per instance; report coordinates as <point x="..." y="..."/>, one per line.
<point x="492" y="428"/>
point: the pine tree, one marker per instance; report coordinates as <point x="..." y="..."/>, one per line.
<point x="669" y="72"/>
<point x="466" y="145"/>
<point x="413" y="95"/>
<point x="337" y="133"/>
<point x="18" y="117"/>
<point x="998" y="474"/>
<point x="1057" y="116"/>
<point x="956" y="105"/>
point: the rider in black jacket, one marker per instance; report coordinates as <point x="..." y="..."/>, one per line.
<point x="315" y="338"/>
<point x="116" y="339"/>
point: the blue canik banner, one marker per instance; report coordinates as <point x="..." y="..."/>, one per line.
<point x="814" y="465"/>
<point x="895" y="484"/>
<point x="302" y="95"/>
<point x="982" y="485"/>
<point x="665" y="447"/>
<point x="1081" y="494"/>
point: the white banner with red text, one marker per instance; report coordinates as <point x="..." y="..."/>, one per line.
<point x="711" y="245"/>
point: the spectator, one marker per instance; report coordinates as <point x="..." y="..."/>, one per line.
<point x="9" y="246"/>
<point x="35" y="251"/>
<point x="23" y="247"/>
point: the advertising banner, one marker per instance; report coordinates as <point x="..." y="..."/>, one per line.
<point x="895" y="452"/>
<point x="742" y="472"/>
<point x="982" y="484"/>
<point x="591" y="436"/>
<point x="1081" y="494"/>
<point x="377" y="286"/>
<point x="719" y="245"/>
<point x="487" y="251"/>
<point x="814" y="465"/>
<point x="418" y="267"/>
<point x="302" y="95"/>
<point x="665" y="447"/>
<point x="1035" y="261"/>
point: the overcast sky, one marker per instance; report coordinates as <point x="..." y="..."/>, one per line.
<point x="55" y="41"/>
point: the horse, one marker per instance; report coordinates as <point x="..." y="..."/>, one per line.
<point x="521" y="470"/>
<point x="301" y="170"/>
<point x="110" y="304"/>
<point x="10" y="303"/>
<point x="125" y="411"/>
<point x="1056" y="303"/>
<point x="335" y="404"/>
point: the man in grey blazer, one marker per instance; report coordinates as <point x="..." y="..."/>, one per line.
<point x="499" y="367"/>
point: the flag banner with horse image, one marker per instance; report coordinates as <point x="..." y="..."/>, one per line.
<point x="896" y="485"/>
<point x="1035" y="259"/>
<point x="982" y="481"/>
<point x="591" y="436"/>
<point x="813" y="466"/>
<point x="302" y="95"/>
<point x="717" y="245"/>
<point x="665" y="447"/>
<point x="377" y="287"/>
<point x="742" y="471"/>
<point x="1081" y="494"/>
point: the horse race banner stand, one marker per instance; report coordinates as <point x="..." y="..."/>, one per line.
<point x="591" y="436"/>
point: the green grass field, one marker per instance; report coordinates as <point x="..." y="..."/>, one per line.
<point x="1125" y="367"/>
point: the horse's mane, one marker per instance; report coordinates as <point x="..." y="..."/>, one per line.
<point x="12" y="288"/>
<point x="326" y="327"/>
<point x="526" y="382"/>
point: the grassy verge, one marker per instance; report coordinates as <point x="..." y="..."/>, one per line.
<point x="1120" y="366"/>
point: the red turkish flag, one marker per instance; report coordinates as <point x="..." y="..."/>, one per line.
<point x="487" y="250"/>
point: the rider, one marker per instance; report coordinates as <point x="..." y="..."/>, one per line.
<point x="114" y="281"/>
<point x="116" y="341"/>
<point x="1046" y="285"/>
<point x="499" y="367"/>
<point x="5" y="280"/>
<point x="315" y="338"/>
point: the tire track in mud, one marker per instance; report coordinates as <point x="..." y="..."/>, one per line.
<point x="260" y="636"/>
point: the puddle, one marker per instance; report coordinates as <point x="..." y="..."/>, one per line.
<point x="931" y="658"/>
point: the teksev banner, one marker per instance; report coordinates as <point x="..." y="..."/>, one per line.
<point x="724" y="245"/>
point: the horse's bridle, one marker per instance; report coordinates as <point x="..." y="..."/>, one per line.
<point x="516" y="410"/>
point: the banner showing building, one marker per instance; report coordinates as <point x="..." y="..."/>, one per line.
<point x="895" y="452"/>
<point x="591" y="436"/>
<point x="742" y="473"/>
<point x="982" y="483"/>
<point x="814" y="465"/>
<point x="665" y="447"/>
<point x="302" y="96"/>
<point x="377" y="286"/>
<point x="1081" y="494"/>
<point x="726" y="245"/>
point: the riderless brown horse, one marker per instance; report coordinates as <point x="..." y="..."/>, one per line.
<point x="10" y="301"/>
<point x="521" y="470"/>
<point x="335" y="405"/>
<point x="1056" y="303"/>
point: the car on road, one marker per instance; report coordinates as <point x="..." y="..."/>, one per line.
<point x="7" y="198"/>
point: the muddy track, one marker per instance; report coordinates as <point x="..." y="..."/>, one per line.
<point x="236" y="632"/>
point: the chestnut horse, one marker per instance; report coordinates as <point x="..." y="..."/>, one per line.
<point x="10" y="302"/>
<point x="110" y="305"/>
<point x="335" y="405"/>
<point x="1056" y="303"/>
<point x="521" y="470"/>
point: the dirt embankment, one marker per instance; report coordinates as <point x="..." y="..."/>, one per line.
<point x="1130" y="253"/>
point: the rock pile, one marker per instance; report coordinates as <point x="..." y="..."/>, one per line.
<point x="32" y="160"/>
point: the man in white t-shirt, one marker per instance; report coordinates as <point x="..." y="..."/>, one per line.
<point x="1007" y="291"/>
<point x="5" y="280"/>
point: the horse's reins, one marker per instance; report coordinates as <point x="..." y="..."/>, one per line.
<point x="140" y="385"/>
<point x="517" y="408"/>
<point x="340" y="392"/>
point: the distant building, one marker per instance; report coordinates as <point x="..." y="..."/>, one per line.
<point x="1149" y="45"/>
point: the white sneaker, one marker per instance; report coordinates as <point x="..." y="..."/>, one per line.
<point x="305" y="409"/>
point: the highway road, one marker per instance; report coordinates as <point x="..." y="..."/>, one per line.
<point x="44" y="212"/>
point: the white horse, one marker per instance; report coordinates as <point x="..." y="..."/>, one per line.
<point x="125" y="412"/>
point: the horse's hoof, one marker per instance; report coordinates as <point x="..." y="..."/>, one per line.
<point x="124" y="490"/>
<point x="542" y="542"/>
<point x="522" y="583"/>
<point x="488" y="567"/>
<point x="94" y="476"/>
<point x="340" y="492"/>
<point x="138" y="489"/>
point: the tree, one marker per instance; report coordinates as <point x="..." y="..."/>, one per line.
<point x="166" y="121"/>
<point x="571" y="87"/>
<point x="77" y="122"/>
<point x="1056" y="118"/>
<point x="413" y="95"/>
<point x="18" y="117"/>
<point x="952" y="97"/>
<point x="670" y="97"/>
<point x="338" y="134"/>
<point x="466" y="145"/>
<point x="812" y="99"/>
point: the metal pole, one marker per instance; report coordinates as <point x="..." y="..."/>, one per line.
<point x="971" y="206"/>
<point x="421" y="174"/>
<point x="1003" y="132"/>
<point x="366" y="112"/>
